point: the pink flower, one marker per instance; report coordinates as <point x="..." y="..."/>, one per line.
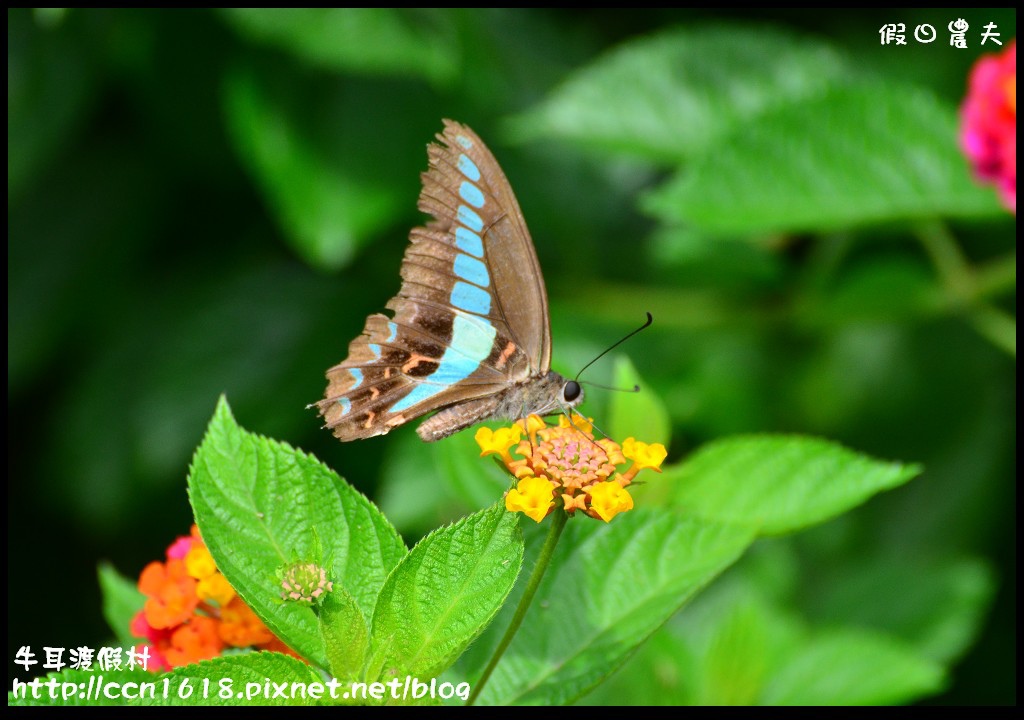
<point x="180" y="548"/>
<point x="989" y="122"/>
<point x="141" y="628"/>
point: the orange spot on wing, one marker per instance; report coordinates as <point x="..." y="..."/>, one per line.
<point x="396" y="420"/>
<point x="414" y="362"/>
<point x="369" y="419"/>
<point x="374" y="392"/>
<point x="506" y="354"/>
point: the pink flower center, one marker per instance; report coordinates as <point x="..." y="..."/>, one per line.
<point x="572" y="462"/>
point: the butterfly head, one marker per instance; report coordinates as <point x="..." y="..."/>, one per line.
<point x="572" y="393"/>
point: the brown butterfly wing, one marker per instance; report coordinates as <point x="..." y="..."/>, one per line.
<point x="470" y="319"/>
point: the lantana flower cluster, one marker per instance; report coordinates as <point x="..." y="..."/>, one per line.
<point x="565" y="466"/>
<point x="191" y="613"/>
<point x="989" y="122"/>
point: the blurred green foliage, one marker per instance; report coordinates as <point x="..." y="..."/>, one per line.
<point x="203" y="202"/>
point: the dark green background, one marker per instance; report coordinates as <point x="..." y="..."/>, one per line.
<point x="154" y="265"/>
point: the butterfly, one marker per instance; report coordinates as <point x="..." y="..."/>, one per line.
<point x="470" y="335"/>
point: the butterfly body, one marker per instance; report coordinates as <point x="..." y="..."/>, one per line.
<point x="534" y="396"/>
<point x="469" y="336"/>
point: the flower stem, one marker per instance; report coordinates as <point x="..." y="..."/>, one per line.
<point x="543" y="560"/>
<point x="997" y="276"/>
<point x="950" y="264"/>
<point x="966" y="288"/>
<point x="998" y="327"/>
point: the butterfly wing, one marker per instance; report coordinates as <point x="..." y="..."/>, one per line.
<point x="471" y="316"/>
<point x="518" y="282"/>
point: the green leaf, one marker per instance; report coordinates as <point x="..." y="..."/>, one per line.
<point x="444" y="593"/>
<point x="641" y="415"/>
<point x="661" y="672"/>
<point x="608" y="588"/>
<point x="779" y="483"/>
<point x="739" y="638"/>
<point x="90" y="685"/>
<point x="865" y="153"/>
<point x="671" y="95"/>
<point x="728" y="640"/>
<point x="737" y="661"/>
<point x="936" y="606"/>
<point x="736" y="645"/>
<point x="848" y="667"/>
<point x="259" y="678"/>
<point x="345" y="633"/>
<point x="121" y="601"/>
<point x="416" y="42"/>
<point x="745" y="641"/>
<point x="724" y="666"/>
<point x="325" y="205"/>
<point x="261" y="504"/>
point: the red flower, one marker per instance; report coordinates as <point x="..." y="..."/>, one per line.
<point x="989" y="122"/>
<point x="141" y="628"/>
<point x="158" y="642"/>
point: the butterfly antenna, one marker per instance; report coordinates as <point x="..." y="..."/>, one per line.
<point x="635" y="388"/>
<point x="593" y="425"/>
<point x="646" y="325"/>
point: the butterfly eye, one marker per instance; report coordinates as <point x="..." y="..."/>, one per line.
<point x="571" y="391"/>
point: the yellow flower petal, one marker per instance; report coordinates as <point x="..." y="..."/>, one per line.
<point x="485" y="439"/>
<point x="644" y="455"/>
<point x="578" y="421"/>
<point x="532" y="496"/>
<point x="532" y="424"/>
<point x="497" y="441"/>
<point x="216" y="588"/>
<point x="608" y="499"/>
<point x="199" y="563"/>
